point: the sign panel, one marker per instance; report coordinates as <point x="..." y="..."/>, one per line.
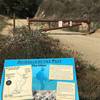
<point x="60" y="23"/>
<point x="18" y="83"/>
<point x="39" y="79"/>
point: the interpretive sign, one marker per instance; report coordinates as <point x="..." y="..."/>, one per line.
<point x="39" y="79"/>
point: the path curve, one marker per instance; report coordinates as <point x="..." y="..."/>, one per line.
<point x="88" y="46"/>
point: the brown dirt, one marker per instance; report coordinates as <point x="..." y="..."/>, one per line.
<point x="89" y="46"/>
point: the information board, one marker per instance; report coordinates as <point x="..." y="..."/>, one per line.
<point x="39" y="79"/>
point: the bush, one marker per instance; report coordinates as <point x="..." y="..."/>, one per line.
<point x="29" y="44"/>
<point x="89" y="86"/>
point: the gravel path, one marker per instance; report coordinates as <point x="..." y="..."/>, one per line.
<point x="89" y="46"/>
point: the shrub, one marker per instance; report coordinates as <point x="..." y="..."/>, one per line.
<point x="29" y="44"/>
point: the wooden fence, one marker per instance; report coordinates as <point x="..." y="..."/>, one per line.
<point x="62" y="23"/>
<point x="65" y="23"/>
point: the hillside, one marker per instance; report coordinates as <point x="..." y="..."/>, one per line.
<point x="69" y="9"/>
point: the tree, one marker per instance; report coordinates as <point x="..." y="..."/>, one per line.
<point x="91" y="8"/>
<point x="22" y="8"/>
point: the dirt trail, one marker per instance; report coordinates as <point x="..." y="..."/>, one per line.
<point x="89" y="46"/>
<point x="96" y="34"/>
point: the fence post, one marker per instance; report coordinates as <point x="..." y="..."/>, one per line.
<point x="89" y="27"/>
<point x="28" y="23"/>
<point x="49" y="24"/>
<point x="14" y="22"/>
